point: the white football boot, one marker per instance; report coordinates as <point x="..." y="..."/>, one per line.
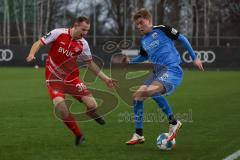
<point x="136" y="139"/>
<point x="173" y="129"/>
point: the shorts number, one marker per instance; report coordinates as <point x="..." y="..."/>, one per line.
<point x="81" y="86"/>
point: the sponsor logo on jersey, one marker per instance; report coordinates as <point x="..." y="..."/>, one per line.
<point x="65" y="52"/>
<point x="153" y="44"/>
<point x="154" y="35"/>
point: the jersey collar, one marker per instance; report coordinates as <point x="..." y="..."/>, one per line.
<point x="147" y="34"/>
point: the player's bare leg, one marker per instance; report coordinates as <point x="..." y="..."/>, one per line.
<point x="63" y="113"/>
<point x="60" y="107"/>
<point x="91" y="106"/>
<point x="146" y="91"/>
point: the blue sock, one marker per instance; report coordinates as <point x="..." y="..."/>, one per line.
<point x="163" y="104"/>
<point x="138" y="114"/>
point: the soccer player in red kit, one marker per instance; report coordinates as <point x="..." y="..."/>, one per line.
<point x="68" y="47"/>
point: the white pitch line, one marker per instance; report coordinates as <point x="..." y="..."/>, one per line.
<point x="233" y="156"/>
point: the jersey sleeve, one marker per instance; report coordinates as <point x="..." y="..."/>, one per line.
<point x="50" y="37"/>
<point x="142" y="52"/>
<point x="138" y="59"/>
<point x="86" y="53"/>
<point x="188" y="46"/>
<point x="172" y="33"/>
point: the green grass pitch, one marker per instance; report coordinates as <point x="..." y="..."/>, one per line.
<point x="209" y="101"/>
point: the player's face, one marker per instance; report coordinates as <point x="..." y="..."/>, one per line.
<point x="81" y="30"/>
<point x="143" y="25"/>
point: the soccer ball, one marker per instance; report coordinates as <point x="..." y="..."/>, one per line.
<point x="162" y="143"/>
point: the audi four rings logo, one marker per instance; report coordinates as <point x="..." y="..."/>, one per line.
<point x="204" y="56"/>
<point x="6" y="55"/>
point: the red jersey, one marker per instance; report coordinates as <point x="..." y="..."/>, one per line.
<point x="64" y="54"/>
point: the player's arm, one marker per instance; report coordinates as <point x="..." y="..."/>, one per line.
<point x="175" y="35"/>
<point x="197" y="62"/>
<point x="143" y="56"/>
<point x="188" y="46"/>
<point x="86" y="56"/>
<point x="138" y="59"/>
<point x="92" y="66"/>
<point x="45" y="40"/>
<point x="34" y="49"/>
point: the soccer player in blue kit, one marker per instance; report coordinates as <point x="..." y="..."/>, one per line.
<point x="157" y="46"/>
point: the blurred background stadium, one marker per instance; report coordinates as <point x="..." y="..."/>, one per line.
<point x="209" y="100"/>
<point x="209" y="25"/>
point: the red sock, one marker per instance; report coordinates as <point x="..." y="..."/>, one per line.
<point x="72" y="125"/>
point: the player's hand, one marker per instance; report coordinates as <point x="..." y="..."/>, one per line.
<point x="112" y="83"/>
<point x="30" y="58"/>
<point x="125" y="59"/>
<point x="198" y="63"/>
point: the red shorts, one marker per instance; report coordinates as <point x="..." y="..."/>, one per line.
<point x="58" y="88"/>
<point x="75" y="88"/>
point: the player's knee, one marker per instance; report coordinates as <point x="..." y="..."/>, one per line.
<point x="61" y="108"/>
<point x="58" y="100"/>
<point x="89" y="102"/>
<point x="137" y="96"/>
<point x="91" y="106"/>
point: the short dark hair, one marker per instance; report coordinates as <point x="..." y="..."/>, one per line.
<point x="142" y="13"/>
<point x="82" y="19"/>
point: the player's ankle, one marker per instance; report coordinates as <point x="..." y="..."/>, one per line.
<point x="172" y="120"/>
<point x="100" y="120"/>
<point x="139" y="131"/>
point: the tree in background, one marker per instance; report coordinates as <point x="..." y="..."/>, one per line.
<point x="24" y="21"/>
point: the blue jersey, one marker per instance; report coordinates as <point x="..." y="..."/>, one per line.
<point x="158" y="46"/>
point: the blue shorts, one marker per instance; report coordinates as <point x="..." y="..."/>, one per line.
<point x="170" y="77"/>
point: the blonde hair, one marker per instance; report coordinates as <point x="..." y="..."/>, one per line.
<point x="142" y="13"/>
